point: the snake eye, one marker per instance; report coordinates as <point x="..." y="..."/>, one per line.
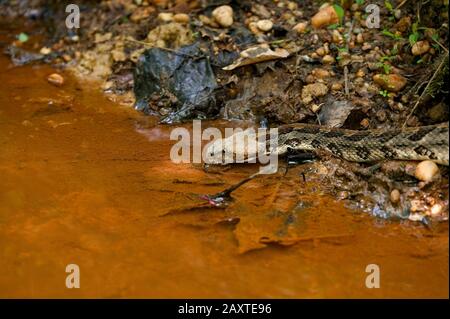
<point x="223" y="151"/>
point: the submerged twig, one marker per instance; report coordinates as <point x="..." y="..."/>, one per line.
<point x="218" y="198"/>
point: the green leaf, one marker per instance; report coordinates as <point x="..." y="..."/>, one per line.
<point x="359" y="2"/>
<point x="388" y="5"/>
<point x="413" y="37"/>
<point x="333" y="26"/>
<point x="339" y="11"/>
<point x="23" y="37"/>
<point x="390" y="34"/>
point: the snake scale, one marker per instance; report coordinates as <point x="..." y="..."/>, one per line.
<point x="413" y="143"/>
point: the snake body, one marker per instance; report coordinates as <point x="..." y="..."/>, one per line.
<point x="414" y="143"/>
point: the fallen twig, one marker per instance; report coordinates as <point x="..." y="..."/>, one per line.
<point x="219" y="198"/>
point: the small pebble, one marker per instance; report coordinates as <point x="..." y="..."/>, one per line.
<point x="436" y="209"/>
<point x="337" y="37"/>
<point x="67" y="57"/>
<point x="391" y="82"/>
<point x="336" y="86"/>
<point x="326" y="16"/>
<point x="45" y="51"/>
<point x="328" y="59"/>
<point x="360" y="38"/>
<point x="264" y="25"/>
<point x="223" y="15"/>
<point x="181" y="18"/>
<point x="321" y="51"/>
<point x="321" y="73"/>
<point x="343" y="195"/>
<point x="365" y="123"/>
<point x="420" y="47"/>
<point x="427" y="171"/>
<point x="165" y="16"/>
<point x="300" y="27"/>
<point x="360" y="73"/>
<point x="366" y="47"/>
<point x="55" y="79"/>
<point x="395" y="196"/>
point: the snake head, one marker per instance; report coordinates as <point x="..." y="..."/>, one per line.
<point x="241" y="147"/>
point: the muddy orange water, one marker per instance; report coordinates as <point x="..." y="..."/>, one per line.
<point x="86" y="181"/>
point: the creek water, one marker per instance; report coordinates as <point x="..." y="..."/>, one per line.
<point x="87" y="181"/>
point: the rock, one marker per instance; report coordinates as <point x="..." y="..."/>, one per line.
<point x="264" y="25"/>
<point x="403" y="24"/>
<point x="427" y="171"/>
<point x="288" y="17"/>
<point x="313" y="90"/>
<point x="337" y="37"/>
<point x="360" y="38"/>
<point x="45" y="51"/>
<point x="165" y="16"/>
<point x="55" y="79"/>
<point x="292" y="5"/>
<point x="141" y="13"/>
<point x="181" y="18"/>
<point x="183" y="81"/>
<point x="395" y="196"/>
<point x="253" y="27"/>
<point x="436" y="209"/>
<point x="366" y="47"/>
<point x="328" y="59"/>
<point x="390" y="82"/>
<point x="300" y="27"/>
<point x="208" y="21"/>
<point x="223" y="15"/>
<point x="420" y="47"/>
<point x="320" y="73"/>
<point x="336" y="86"/>
<point x="321" y="51"/>
<point x="325" y="17"/>
<point x="364" y="123"/>
<point x="67" y="57"/>
<point x="397" y="14"/>
<point x="360" y="73"/>
<point x="343" y="195"/>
